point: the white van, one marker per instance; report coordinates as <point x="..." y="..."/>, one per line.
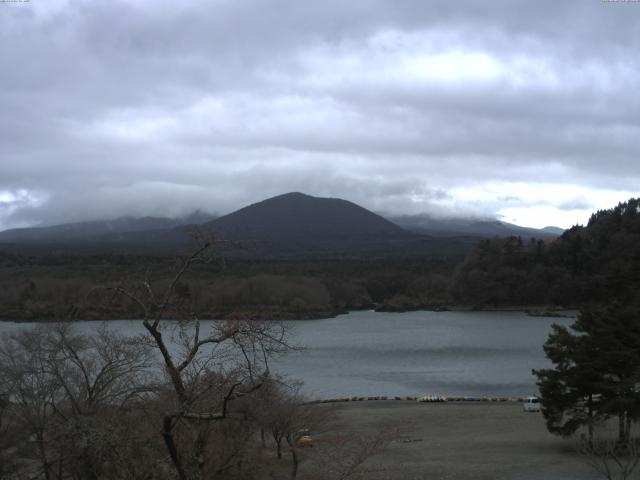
<point x="531" y="404"/>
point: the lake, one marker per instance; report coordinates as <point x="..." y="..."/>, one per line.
<point x="408" y="354"/>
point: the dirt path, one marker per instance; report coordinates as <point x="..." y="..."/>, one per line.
<point x="459" y="441"/>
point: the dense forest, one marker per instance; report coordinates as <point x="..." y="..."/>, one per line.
<point x="594" y="263"/>
<point x="53" y="287"/>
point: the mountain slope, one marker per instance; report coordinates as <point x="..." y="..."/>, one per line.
<point x="289" y="225"/>
<point x="97" y="230"/>
<point x="300" y="217"/>
<point x="293" y="225"/>
<point x="447" y="227"/>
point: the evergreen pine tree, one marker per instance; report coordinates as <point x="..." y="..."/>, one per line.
<point x="596" y="372"/>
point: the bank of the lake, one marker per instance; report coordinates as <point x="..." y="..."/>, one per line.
<point x="279" y="314"/>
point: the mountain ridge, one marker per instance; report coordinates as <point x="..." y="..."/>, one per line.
<point x="292" y="224"/>
<point x="90" y="229"/>
<point x="312" y="218"/>
<point x="485" y="228"/>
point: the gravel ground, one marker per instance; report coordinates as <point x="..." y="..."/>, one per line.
<point x="459" y="441"/>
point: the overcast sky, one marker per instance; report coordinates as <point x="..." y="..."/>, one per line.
<point x="528" y="111"/>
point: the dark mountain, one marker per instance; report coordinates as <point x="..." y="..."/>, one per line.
<point x="299" y="225"/>
<point x="291" y="225"/>
<point x="93" y="231"/>
<point x="497" y="228"/>
<point x="299" y="217"/>
<point x="554" y="230"/>
<point x="448" y="227"/>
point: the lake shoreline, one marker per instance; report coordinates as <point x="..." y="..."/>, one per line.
<point x="423" y="399"/>
<point x="530" y="310"/>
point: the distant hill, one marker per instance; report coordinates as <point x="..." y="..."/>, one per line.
<point x="299" y="217"/>
<point x="293" y="225"/>
<point x="289" y="225"/>
<point x="447" y="227"/>
<point x="554" y="230"/>
<point x="96" y="230"/>
<point x="299" y="225"/>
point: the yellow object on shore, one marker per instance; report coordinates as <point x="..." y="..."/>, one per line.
<point x="432" y="398"/>
<point x="305" y="441"/>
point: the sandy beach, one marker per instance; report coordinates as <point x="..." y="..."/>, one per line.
<point x="459" y="441"/>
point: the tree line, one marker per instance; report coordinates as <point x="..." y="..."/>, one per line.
<point x="36" y="288"/>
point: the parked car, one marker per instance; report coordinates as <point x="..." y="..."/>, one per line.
<point x="531" y="404"/>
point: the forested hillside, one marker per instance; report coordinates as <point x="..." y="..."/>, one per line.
<point x="598" y="262"/>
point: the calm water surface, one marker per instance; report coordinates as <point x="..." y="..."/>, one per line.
<point x="415" y="353"/>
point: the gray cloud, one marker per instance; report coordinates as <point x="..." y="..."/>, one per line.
<point x="158" y="108"/>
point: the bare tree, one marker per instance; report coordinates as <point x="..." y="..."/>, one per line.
<point x="105" y="368"/>
<point x="7" y="435"/>
<point x="304" y="418"/>
<point x="32" y="392"/>
<point x="100" y="375"/>
<point x="286" y="414"/>
<point x="62" y="390"/>
<point x="206" y="370"/>
<point x="611" y="459"/>
<point x="340" y="457"/>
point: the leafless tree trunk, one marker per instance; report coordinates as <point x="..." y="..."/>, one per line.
<point x="341" y="456"/>
<point x="611" y="459"/>
<point x="207" y="371"/>
<point x="295" y="460"/>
